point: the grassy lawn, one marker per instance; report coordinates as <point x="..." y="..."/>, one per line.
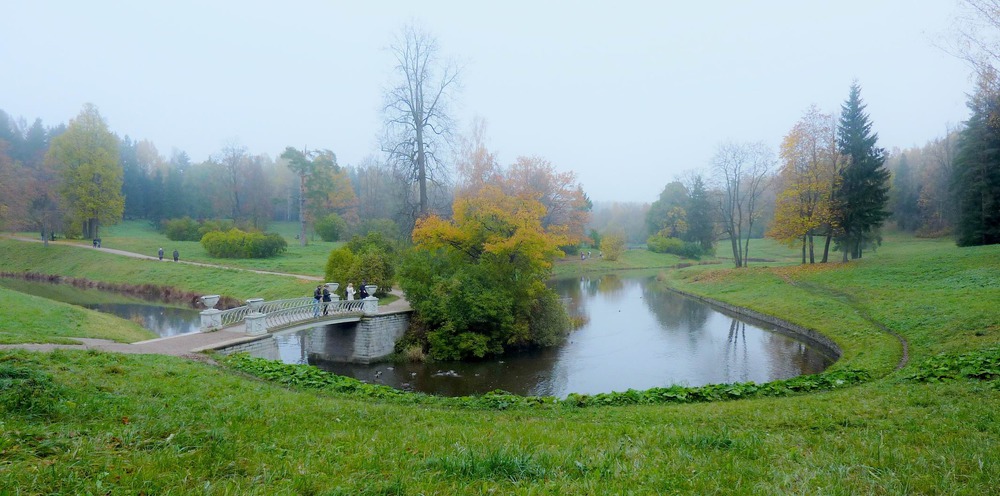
<point x="117" y="424"/>
<point x="140" y="237"/>
<point x="20" y="256"/>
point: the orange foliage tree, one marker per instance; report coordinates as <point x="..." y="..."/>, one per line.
<point x="477" y="282"/>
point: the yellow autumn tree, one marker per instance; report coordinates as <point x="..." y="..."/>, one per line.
<point x="477" y="282"/>
<point x="807" y="180"/>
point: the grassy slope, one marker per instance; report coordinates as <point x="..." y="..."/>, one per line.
<point x="31" y="319"/>
<point x="92" y="264"/>
<point x="140" y="237"/>
<point x="128" y="424"/>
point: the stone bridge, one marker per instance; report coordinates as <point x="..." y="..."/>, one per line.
<point x="371" y="331"/>
<point x="260" y="317"/>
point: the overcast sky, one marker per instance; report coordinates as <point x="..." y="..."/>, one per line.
<point x="626" y="94"/>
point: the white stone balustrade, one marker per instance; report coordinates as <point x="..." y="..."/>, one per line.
<point x="260" y="316"/>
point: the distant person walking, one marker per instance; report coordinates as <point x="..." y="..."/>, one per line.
<point x="363" y="292"/>
<point x="160" y="253"/>
<point x="326" y="299"/>
<point x="176" y="255"/>
<point x="350" y="291"/>
<point x="317" y="296"/>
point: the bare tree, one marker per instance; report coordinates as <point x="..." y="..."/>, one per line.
<point x="234" y="160"/>
<point x="415" y="112"/>
<point x="743" y="171"/>
<point x="976" y="34"/>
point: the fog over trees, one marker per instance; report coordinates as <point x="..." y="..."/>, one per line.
<point x="830" y="186"/>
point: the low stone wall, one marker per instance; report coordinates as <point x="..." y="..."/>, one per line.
<point x="263" y="347"/>
<point x="371" y="339"/>
<point x="377" y="336"/>
<point x="811" y="336"/>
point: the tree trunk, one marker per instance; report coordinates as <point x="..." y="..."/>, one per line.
<point x="803" y="249"/>
<point x="812" y="253"/>
<point x="736" y="250"/>
<point x="826" y="248"/>
<point x="302" y="209"/>
<point x="421" y="170"/>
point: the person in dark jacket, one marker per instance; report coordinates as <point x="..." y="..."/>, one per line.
<point x="317" y="296"/>
<point x="326" y="299"/>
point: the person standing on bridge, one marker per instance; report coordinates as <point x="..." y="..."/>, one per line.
<point x="326" y="299"/>
<point x="160" y="253"/>
<point x="317" y="295"/>
<point x="350" y="291"/>
<point x="363" y="292"/>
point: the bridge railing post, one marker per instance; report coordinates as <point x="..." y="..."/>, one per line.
<point x="255" y="324"/>
<point x="211" y="318"/>
<point x="370" y="306"/>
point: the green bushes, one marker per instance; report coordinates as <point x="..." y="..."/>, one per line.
<point x="371" y="259"/>
<point x="188" y="229"/>
<point x="330" y="227"/>
<point x="238" y="244"/>
<point x="183" y="229"/>
<point x="662" y="244"/>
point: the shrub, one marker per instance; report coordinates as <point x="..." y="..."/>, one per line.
<point x="386" y="227"/>
<point x="183" y="229"/>
<point x="612" y="246"/>
<point x="548" y="320"/>
<point x="330" y="227"/>
<point x="238" y="244"/>
<point x="373" y="266"/>
<point x="662" y="244"/>
<point x="212" y="225"/>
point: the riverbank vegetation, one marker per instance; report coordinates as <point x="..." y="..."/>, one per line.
<point x="151" y="424"/>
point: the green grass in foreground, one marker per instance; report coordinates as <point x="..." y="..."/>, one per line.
<point x="105" y="423"/>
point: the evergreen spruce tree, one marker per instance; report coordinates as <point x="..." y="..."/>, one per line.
<point x="701" y="226"/>
<point x="863" y="186"/>
<point x="976" y="179"/>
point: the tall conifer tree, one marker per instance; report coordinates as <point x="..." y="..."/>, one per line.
<point x="863" y="189"/>
<point x="977" y="168"/>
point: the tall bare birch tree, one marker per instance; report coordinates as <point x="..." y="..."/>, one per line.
<point x="417" y="124"/>
<point x="743" y="171"/>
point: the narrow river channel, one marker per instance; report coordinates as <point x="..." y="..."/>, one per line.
<point x="634" y="336"/>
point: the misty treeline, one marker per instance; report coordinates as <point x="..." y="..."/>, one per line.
<point x="830" y="188"/>
<point x="252" y="189"/>
<point x="37" y="188"/>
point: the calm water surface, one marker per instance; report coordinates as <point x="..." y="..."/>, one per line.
<point x="634" y="336"/>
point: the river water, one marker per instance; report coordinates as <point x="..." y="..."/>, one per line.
<point x="634" y="336"/>
<point x="157" y="317"/>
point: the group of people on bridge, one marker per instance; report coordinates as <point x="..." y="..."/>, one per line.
<point x="322" y="296"/>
